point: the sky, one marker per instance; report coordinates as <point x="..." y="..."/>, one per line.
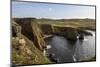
<point x="50" y="10"/>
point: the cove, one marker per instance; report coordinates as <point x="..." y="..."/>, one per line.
<point x="72" y="51"/>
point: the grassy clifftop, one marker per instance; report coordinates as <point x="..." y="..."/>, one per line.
<point x="76" y="23"/>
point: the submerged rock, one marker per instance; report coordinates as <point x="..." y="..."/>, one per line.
<point x="53" y="58"/>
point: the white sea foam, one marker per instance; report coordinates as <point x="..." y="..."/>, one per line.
<point x="85" y="39"/>
<point x="48" y="46"/>
<point x="74" y="58"/>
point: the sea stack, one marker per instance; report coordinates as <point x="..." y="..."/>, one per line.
<point x="81" y="37"/>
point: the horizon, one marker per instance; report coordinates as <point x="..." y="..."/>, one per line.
<point x="55" y="18"/>
<point x="51" y="11"/>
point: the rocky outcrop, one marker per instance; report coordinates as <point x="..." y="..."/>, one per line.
<point x="82" y="31"/>
<point x="24" y="48"/>
<point x="24" y="52"/>
<point x="68" y="32"/>
<point x="81" y="37"/>
<point x="31" y="30"/>
<point x="71" y="34"/>
<point x="46" y="28"/>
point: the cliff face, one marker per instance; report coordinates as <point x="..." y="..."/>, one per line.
<point x="69" y="33"/>
<point x="27" y="43"/>
<point x="31" y="30"/>
<point x="47" y="28"/>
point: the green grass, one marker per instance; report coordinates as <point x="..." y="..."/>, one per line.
<point x="77" y="23"/>
<point x="35" y="58"/>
